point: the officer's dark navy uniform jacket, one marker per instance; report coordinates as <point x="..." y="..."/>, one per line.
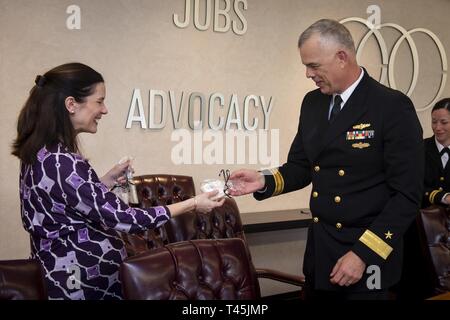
<point x="366" y="170"/>
<point x="437" y="178"/>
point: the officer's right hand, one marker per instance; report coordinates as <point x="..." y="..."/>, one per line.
<point x="246" y="181"/>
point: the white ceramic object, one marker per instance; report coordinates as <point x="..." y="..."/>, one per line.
<point x="209" y="185"/>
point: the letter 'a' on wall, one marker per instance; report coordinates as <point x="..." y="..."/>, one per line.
<point x="73" y="21"/>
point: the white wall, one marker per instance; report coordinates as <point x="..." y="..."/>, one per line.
<point x="135" y="44"/>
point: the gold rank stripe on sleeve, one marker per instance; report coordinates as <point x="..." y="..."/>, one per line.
<point x="376" y="244"/>
<point x="279" y="182"/>
<point x="432" y="195"/>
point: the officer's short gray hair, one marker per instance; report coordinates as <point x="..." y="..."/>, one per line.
<point x="329" y="30"/>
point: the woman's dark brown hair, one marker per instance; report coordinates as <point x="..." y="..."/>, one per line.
<point x="44" y="119"/>
<point x="442" y="104"/>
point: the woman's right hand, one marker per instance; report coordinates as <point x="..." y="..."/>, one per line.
<point x="204" y="203"/>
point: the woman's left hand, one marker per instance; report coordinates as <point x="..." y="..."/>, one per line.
<point x="117" y="175"/>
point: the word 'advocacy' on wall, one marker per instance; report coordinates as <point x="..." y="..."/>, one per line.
<point x="200" y="111"/>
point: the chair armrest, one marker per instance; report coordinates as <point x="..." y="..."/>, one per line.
<point x="280" y="276"/>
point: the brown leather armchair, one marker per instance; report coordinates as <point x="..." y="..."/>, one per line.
<point x="154" y="190"/>
<point x="191" y="270"/>
<point x="434" y="234"/>
<point x="22" y="280"/>
<point x="222" y="222"/>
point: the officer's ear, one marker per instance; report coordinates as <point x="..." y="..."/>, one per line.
<point x="342" y="57"/>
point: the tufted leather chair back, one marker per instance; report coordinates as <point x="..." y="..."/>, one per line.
<point x="191" y="270"/>
<point x="162" y="189"/>
<point x="222" y="222"/>
<point x="434" y="233"/>
<point x="154" y="190"/>
<point x="22" y="280"/>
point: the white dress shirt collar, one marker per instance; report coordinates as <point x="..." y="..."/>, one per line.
<point x="444" y="157"/>
<point x="348" y="92"/>
<point x="438" y="145"/>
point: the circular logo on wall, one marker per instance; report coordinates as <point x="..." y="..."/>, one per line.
<point x="388" y="60"/>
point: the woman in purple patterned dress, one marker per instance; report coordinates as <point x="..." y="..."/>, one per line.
<point x="70" y="213"/>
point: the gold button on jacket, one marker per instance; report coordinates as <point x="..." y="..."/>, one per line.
<point x="337" y="199"/>
<point x="316" y="219"/>
<point x="315" y="194"/>
<point x="341" y="173"/>
<point x="316" y="168"/>
<point x="338" y="225"/>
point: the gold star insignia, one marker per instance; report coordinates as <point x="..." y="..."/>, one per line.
<point x="388" y="235"/>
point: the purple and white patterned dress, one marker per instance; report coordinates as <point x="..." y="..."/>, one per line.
<point x="72" y="219"/>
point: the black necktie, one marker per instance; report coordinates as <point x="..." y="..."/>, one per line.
<point x="336" y="107"/>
